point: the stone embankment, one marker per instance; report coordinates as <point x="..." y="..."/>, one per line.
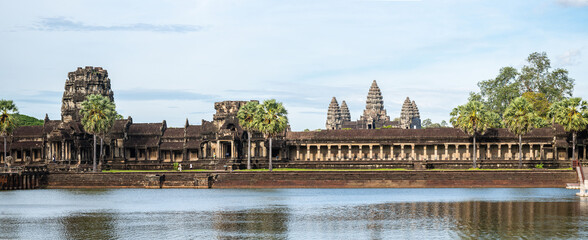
<point x="314" y="179"/>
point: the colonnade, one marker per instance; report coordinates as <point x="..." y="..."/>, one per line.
<point x="412" y="151"/>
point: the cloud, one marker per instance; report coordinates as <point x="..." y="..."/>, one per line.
<point x="63" y="24"/>
<point x="574" y="3"/>
<point x="570" y="57"/>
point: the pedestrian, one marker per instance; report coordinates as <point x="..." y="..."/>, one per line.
<point x="180" y="167"/>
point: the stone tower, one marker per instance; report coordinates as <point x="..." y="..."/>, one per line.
<point x="374" y="113"/>
<point x="333" y="115"/>
<point x="79" y="84"/>
<point x="345" y="114"/>
<point x="410" y="118"/>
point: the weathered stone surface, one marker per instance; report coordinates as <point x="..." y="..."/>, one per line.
<point x="410" y="118"/>
<point x="334" y="115"/>
<point x="81" y="83"/>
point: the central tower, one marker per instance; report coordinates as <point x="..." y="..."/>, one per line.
<point x="374" y="115"/>
<point x="79" y="84"/>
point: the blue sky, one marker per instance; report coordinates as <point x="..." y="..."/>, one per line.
<point x="173" y="59"/>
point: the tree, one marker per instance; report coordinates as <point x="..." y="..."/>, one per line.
<point x="539" y="103"/>
<point x="98" y="115"/>
<point x="271" y="120"/>
<point x="426" y="123"/>
<point x="572" y="114"/>
<point x="246" y="115"/>
<point x="8" y="121"/>
<point x="24" y="120"/>
<point x="473" y="118"/>
<point x="535" y="77"/>
<point x="520" y="118"/>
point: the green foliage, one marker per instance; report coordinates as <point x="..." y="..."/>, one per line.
<point x="341" y="129"/>
<point x="176" y="165"/>
<point x="539" y="103"/>
<point x="473" y="118"/>
<point x="571" y="113"/>
<point x="247" y="115"/>
<point x="535" y="77"/>
<point x="540" y="165"/>
<point x="98" y="114"/>
<point x="387" y="126"/>
<point x="8" y="117"/>
<point x="307" y="130"/>
<point x="520" y="117"/>
<point x="428" y="123"/>
<point x="271" y="118"/>
<point x="24" y="120"/>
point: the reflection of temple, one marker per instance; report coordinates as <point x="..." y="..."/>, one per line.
<point x="374" y="116"/>
<point x="222" y="142"/>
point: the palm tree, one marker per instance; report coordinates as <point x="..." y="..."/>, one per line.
<point x="98" y="115"/>
<point x="246" y="116"/>
<point x="271" y="120"/>
<point x="572" y="114"/>
<point x="520" y="119"/>
<point x="473" y="118"/>
<point x="8" y="121"/>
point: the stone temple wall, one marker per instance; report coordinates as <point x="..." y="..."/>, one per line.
<point x="80" y="84"/>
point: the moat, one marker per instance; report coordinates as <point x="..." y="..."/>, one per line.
<point x="489" y="213"/>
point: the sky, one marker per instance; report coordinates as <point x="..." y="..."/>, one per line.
<point x="171" y="60"/>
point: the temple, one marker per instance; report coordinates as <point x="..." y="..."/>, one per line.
<point x="372" y="141"/>
<point x="374" y="115"/>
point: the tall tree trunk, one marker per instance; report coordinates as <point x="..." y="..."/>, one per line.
<point x="270" y="154"/>
<point x="520" y="151"/>
<point x="5" y="163"/>
<point x="474" y="150"/>
<point x="248" y="150"/>
<point x="101" y="151"/>
<point x="94" y="155"/>
<point x="574" y="146"/>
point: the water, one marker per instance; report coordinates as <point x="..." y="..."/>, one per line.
<point x="294" y="214"/>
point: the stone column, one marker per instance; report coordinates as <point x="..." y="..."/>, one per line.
<point x="468" y="151"/>
<point x="412" y="154"/>
<point x="349" y="154"/>
<point x="402" y="157"/>
<point x="436" y="157"/>
<point x="531" y="152"/>
<point x="232" y="149"/>
<point x="329" y="155"/>
<point x="542" y="153"/>
<point x="425" y="155"/>
<point x="446" y="157"/>
<point x="488" y="153"/>
<point x="264" y="150"/>
<point x="371" y="152"/>
<point x="555" y="155"/>
<point x="381" y="152"/>
<point x="391" y="152"/>
<point x="318" y="155"/>
<point x="360" y="152"/>
<point x="339" y="152"/>
<point x="500" y="151"/>
<point x="297" y="152"/>
<point x="510" y="151"/>
<point x="217" y="152"/>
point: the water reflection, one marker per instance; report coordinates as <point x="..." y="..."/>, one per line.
<point x="291" y="214"/>
<point x="253" y="223"/>
<point x="89" y="226"/>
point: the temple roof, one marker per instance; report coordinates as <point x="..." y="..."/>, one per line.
<point x="193" y="131"/>
<point x="172" y="145"/>
<point x="145" y="129"/>
<point x="411" y="135"/>
<point x="28" y="131"/>
<point x="174" y="133"/>
<point x="142" y="141"/>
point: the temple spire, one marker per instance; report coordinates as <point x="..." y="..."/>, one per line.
<point x="345" y="114"/>
<point x="333" y="115"/>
